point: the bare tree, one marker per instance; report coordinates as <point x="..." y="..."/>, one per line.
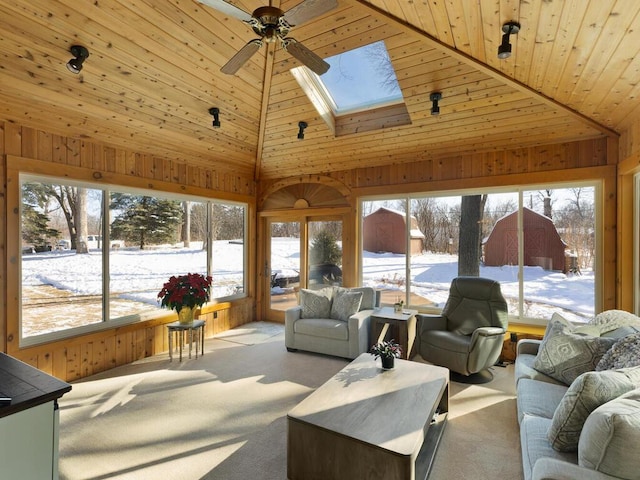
<point x="80" y="216"/>
<point x="471" y="209"/>
<point x="186" y="224"/>
<point x="576" y="222"/>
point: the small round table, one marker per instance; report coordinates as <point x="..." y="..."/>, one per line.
<point x="195" y="328"/>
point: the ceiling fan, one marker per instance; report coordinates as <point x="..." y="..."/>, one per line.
<point x="272" y="24"/>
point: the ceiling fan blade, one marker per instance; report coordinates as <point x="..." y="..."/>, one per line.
<point x="240" y="58"/>
<point x="308" y="9"/>
<point x="227" y="9"/>
<point x="306" y="56"/>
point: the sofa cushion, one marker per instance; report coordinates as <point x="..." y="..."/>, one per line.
<point x="565" y="355"/>
<point x="624" y="353"/>
<point x="524" y="369"/>
<point x="538" y="399"/>
<point x="610" y="438"/>
<point x="586" y="393"/>
<point x="315" y="303"/>
<point x="534" y="443"/>
<point x="322" y="328"/>
<point x="345" y="303"/>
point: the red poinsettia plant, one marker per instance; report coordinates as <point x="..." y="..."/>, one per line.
<point x="188" y="290"/>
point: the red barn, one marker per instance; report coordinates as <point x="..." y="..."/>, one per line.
<point x="384" y="231"/>
<point x="543" y="246"/>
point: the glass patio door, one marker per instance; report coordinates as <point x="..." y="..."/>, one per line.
<point x="301" y="253"/>
<point x="283" y="264"/>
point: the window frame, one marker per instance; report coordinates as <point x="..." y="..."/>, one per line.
<point x="17" y="172"/>
<point x="408" y="196"/>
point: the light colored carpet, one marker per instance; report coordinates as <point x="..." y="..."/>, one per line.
<point x="251" y="333"/>
<point x="223" y="416"/>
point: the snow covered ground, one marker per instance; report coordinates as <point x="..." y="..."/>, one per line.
<point x="138" y="275"/>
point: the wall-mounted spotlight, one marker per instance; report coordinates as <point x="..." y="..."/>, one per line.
<point x="80" y="54"/>
<point x="435" y="97"/>
<point x="215" y="111"/>
<point x="301" y="127"/>
<point x="504" y="50"/>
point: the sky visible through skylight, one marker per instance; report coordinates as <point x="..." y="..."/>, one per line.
<point x="361" y="78"/>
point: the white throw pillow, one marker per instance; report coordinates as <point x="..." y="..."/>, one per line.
<point x="586" y="393"/>
<point x="565" y="355"/>
<point x="345" y="304"/>
<point x="610" y="438"/>
<point x="315" y="303"/>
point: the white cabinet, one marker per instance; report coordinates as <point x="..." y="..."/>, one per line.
<point x="29" y="425"/>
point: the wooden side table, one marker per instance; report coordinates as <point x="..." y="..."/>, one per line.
<point x="194" y="328"/>
<point x="386" y="324"/>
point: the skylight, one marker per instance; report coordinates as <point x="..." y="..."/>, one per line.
<point x="361" y="79"/>
<point x="360" y="92"/>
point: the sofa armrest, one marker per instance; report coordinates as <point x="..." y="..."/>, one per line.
<point x="528" y="346"/>
<point x="291" y="315"/>
<point x="547" y="468"/>
<point x="359" y="332"/>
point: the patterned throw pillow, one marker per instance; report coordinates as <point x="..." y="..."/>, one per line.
<point x="315" y="303"/>
<point x="612" y="319"/>
<point x="586" y="393"/>
<point x="345" y="304"/>
<point x="624" y="353"/>
<point x="611" y="436"/>
<point x="564" y="355"/>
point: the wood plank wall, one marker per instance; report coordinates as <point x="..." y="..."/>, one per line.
<point x="628" y="208"/>
<point x="77" y="357"/>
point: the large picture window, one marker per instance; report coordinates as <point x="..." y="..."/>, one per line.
<point x="92" y="255"/>
<point x="539" y="243"/>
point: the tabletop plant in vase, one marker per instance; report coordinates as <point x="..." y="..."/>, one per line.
<point x="183" y="293"/>
<point x="397" y="307"/>
<point x="388" y="351"/>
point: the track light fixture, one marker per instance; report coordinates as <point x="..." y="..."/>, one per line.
<point x="301" y="127"/>
<point x="215" y="111"/>
<point x="504" y="50"/>
<point x="80" y="54"/>
<point x="435" y="97"/>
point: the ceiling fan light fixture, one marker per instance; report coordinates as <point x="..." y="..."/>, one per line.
<point x="80" y="54"/>
<point x="301" y="127"/>
<point x="215" y="111"/>
<point x="272" y="25"/>
<point x="270" y="34"/>
<point x="435" y="97"/>
<point x="504" y="50"/>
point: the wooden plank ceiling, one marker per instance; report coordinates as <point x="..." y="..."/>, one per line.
<point x="153" y="73"/>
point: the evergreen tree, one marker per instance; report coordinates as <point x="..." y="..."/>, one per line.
<point x="145" y="220"/>
<point x="325" y="249"/>
<point x="35" y="229"/>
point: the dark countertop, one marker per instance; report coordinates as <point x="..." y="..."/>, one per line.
<point x="27" y="386"/>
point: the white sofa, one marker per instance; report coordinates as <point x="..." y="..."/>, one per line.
<point x="334" y="321"/>
<point x="587" y="428"/>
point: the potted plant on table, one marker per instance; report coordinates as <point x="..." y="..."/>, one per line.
<point x="183" y="293"/>
<point x="397" y="307"/>
<point x="388" y="351"/>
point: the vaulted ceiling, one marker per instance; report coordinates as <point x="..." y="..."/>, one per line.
<point x="154" y="72"/>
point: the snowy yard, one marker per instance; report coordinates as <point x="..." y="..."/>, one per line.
<point x="137" y="276"/>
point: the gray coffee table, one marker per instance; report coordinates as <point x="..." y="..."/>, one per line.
<point x="366" y="423"/>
